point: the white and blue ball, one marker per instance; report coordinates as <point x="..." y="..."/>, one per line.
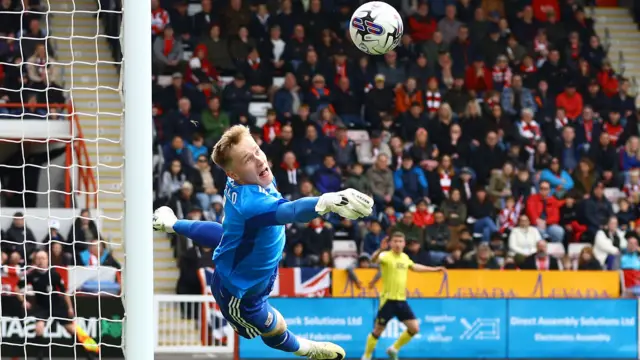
<point x="376" y="28"/>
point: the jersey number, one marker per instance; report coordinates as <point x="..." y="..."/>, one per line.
<point x="234" y="197"/>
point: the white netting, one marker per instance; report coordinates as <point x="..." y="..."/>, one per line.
<point x="60" y="153"/>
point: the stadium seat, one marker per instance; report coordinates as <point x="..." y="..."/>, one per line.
<point x="343" y="262"/>
<point x="164" y="80"/>
<point x="576" y="248"/>
<point x="278" y="81"/>
<point x="226" y="80"/>
<point x="556" y="250"/>
<point x="358" y="136"/>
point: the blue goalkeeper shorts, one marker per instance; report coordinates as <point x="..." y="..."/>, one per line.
<point x="250" y="316"/>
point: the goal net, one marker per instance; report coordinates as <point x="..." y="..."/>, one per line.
<point x="61" y="175"/>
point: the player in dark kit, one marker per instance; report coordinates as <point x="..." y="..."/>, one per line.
<point x="52" y="302"/>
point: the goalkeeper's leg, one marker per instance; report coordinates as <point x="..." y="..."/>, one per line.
<point x="253" y="316"/>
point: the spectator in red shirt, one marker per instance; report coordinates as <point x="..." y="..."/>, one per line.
<point x="421" y="24"/>
<point x="159" y="18"/>
<point x="272" y="128"/>
<point x="613" y="127"/>
<point x="608" y="79"/>
<point x="543" y="211"/>
<point x="478" y="77"/>
<point x="542" y="8"/>
<point x="571" y="101"/>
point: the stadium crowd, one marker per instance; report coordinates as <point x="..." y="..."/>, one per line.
<point x="497" y="135"/>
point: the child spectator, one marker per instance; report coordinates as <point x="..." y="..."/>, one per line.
<point x="272" y="129"/>
<point x="569" y="218"/>
<point x="373" y="238"/>
<point x="508" y="216"/>
<point x="626" y="215"/>
<point x="197" y="147"/>
<point x="423" y="215"/>
<point x="356" y="179"/>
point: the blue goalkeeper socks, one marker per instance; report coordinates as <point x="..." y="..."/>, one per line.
<point x="286" y="342"/>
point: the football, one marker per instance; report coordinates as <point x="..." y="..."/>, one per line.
<point x="376" y="28"/>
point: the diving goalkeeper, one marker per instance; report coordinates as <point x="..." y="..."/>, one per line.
<point x="252" y="239"/>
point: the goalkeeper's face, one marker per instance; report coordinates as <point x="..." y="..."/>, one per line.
<point x="249" y="164"/>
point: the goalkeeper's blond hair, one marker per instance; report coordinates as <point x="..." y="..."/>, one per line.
<point x="230" y="138"/>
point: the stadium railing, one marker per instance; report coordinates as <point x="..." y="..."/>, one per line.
<point x="191" y="324"/>
<point x="77" y="155"/>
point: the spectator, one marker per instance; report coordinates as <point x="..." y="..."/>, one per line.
<point x="53" y="235"/>
<point x="540" y="260"/>
<point x="488" y="157"/>
<point x="183" y="122"/>
<point x="41" y="69"/>
<point x="326" y="261"/>
<point x="483" y="214"/>
<point x="626" y="216"/>
<point x="184" y="201"/>
<point x="97" y="254"/>
<point x="343" y="148"/>
<point x="214" y="121"/>
<point x="217" y="48"/>
<point x="586" y="261"/>
<point x="284" y="143"/>
<point x="327" y="178"/>
<point x="170" y="96"/>
<point x="167" y="52"/>
<point x="523" y="239"/>
<point x="409" y="94"/>
<point x="159" y="18"/>
<point x="410" y="184"/>
<point x="630" y="154"/>
<point x="272" y="128"/>
<point x="608" y="242"/>
<point x="319" y="95"/>
<point x="347" y="104"/>
<point x="381" y="181"/>
<point x="203" y="183"/>
<point x="559" y="180"/>
<point x="58" y="257"/>
<point x="379" y="101"/>
<point x="197" y="148"/>
<point x="370" y="151"/>
<point x="421" y="25"/>
<point x="517" y="97"/>
<point x="483" y="258"/>
<point x="630" y="259"/>
<point x="313" y="150"/>
<point x="407" y="226"/>
<point x="500" y="184"/>
<point x="543" y="210"/>
<point x="478" y="77"/>
<point x="288" y="175"/>
<point x="172" y="180"/>
<point x="571" y="101"/>
<point x="417" y="254"/>
<point x="297" y="258"/>
<point x="373" y="238"/>
<point x="570" y="220"/>
<point x="449" y="26"/>
<point x="287" y="99"/>
<point x="597" y="209"/>
<point x="83" y="231"/>
<point x="437" y="236"/>
<point x="318" y="237"/>
<point x="259" y="74"/>
<point x="393" y="71"/>
<point x="357" y="180"/>
<point x="201" y="73"/>
<point x="19" y="238"/>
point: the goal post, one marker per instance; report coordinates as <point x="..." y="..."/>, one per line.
<point x="138" y="194"/>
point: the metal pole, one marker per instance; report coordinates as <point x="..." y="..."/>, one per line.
<point x="138" y="143"/>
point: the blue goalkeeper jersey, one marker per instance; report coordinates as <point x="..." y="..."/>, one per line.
<point x="250" y="250"/>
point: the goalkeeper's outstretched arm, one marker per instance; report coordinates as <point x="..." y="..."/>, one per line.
<point x="204" y="233"/>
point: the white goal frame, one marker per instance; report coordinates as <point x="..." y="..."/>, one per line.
<point x="138" y="180"/>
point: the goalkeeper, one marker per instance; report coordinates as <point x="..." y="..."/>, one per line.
<point x="248" y="254"/>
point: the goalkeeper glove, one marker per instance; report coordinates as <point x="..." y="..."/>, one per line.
<point x="164" y="219"/>
<point x="350" y="204"/>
